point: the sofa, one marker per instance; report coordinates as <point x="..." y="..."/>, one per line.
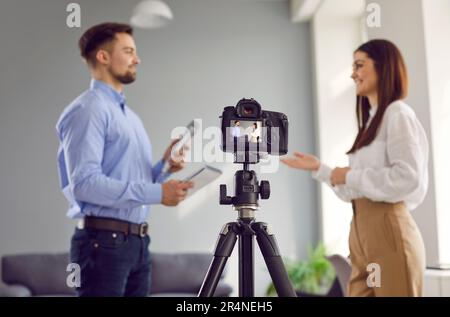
<point x="45" y="275"/>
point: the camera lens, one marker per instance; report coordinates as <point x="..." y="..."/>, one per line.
<point x="248" y="110"/>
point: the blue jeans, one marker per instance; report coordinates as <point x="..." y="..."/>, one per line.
<point x="112" y="263"/>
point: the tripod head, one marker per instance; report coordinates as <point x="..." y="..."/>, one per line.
<point x="246" y="192"/>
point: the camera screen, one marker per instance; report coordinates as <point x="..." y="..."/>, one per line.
<point x="252" y="129"/>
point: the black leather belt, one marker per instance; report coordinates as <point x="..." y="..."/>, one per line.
<point x="114" y="225"/>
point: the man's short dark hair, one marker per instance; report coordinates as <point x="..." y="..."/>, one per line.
<point x="99" y="35"/>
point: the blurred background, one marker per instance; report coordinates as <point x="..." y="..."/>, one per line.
<point x="291" y="56"/>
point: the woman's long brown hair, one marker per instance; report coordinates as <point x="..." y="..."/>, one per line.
<point x="392" y="86"/>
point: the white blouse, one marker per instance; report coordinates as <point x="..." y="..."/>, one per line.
<point x="393" y="168"/>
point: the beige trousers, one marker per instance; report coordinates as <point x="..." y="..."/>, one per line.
<point x="386" y="251"/>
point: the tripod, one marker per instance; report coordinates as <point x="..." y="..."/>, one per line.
<point x="245" y="202"/>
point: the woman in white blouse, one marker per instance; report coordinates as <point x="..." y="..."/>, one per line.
<point x="255" y="133"/>
<point x="387" y="177"/>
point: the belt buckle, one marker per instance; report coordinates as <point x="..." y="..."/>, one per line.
<point x="143" y="228"/>
<point x="81" y="224"/>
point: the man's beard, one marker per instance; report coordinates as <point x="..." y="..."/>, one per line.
<point x="126" y="78"/>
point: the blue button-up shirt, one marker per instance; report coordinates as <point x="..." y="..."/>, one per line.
<point x="104" y="158"/>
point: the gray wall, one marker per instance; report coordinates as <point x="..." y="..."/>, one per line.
<point x="214" y="53"/>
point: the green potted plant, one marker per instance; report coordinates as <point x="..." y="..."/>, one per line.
<point x="312" y="277"/>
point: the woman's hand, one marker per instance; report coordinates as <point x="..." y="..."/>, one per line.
<point x="302" y="161"/>
<point x="338" y="175"/>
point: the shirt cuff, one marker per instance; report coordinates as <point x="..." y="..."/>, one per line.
<point x="323" y="174"/>
<point x="153" y="194"/>
<point x="352" y="179"/>
<point x="158" y="167"/>
<point x="159" y="174"/>
<point x="163" y="176"/>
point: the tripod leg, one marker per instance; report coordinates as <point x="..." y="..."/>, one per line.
<point x="246" y="275"/>
<point x="274" y="262"/>
<point x="224" y="248"/>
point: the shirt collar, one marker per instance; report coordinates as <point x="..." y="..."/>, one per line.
<point x="116" y="97"/>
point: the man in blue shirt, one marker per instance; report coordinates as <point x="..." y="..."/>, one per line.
<point x="236" y="130"/>
<point x="106" y="171"/>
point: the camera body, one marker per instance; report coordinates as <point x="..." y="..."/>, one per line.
<point x="247" y="129"/>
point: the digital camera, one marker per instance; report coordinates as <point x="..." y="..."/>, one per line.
<point x="246" y="128"/>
